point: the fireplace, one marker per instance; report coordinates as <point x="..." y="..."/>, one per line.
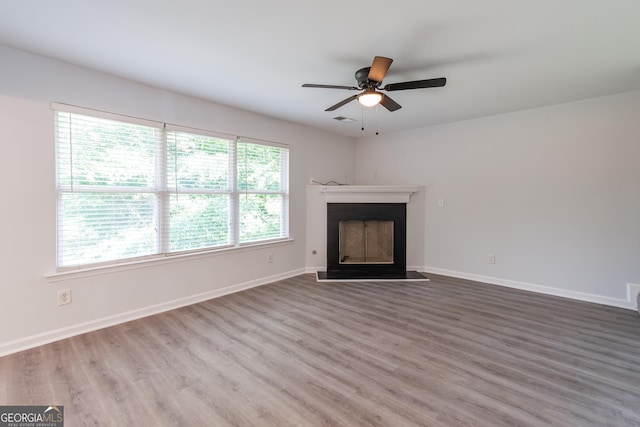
<point x="364" y="232"/>
<point x="366" y="240"/>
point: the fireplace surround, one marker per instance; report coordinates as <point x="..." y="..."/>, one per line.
<point x="366" y="239"/>
<point x="366" y="232"/>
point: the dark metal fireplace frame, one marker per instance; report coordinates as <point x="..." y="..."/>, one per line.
<point x="396" y="212"/>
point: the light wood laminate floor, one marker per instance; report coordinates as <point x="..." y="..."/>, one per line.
<point x="448" y="352"/>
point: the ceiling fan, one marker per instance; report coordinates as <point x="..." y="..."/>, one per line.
<point x="369" y="80"/>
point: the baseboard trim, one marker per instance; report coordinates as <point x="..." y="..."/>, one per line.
<point x="70" y="331"/>
<point x="633" y="289"/>
<point x="627" y="303"/>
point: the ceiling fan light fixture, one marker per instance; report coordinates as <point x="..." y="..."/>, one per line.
<point x="370" y="98"/>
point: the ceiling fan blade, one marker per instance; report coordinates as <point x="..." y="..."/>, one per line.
<point x="341" y="103"/>
<point x="417" y="84"/>
<point x="330" y="86"/>
<point x="379" y="68"/>
<point x="389" y="103"/>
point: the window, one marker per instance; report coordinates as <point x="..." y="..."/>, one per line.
<point x="262" y="185"/>
<point x="200" y="191"/>
<point x="130" y="188"/>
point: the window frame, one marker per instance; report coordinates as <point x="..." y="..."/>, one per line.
<point x="163" y="192"/>
<point x="283" y="192"/>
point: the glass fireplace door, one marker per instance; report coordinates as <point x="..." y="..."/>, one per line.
<point x="365" y="242"/>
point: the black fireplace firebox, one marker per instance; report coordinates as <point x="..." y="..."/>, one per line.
<point x="366" y="241"/>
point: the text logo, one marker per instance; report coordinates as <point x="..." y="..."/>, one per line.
<point x="32" y="416"/>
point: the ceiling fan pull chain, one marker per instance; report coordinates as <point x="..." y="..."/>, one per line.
<point x="377" y="119"/>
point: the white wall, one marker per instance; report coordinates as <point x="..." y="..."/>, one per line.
<point x="553" y="192"/>
<point x="28" y="309"/>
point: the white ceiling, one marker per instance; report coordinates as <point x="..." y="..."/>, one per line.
<point x="498" y="55"/>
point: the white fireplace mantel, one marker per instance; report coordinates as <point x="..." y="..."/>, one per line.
<point x="367" y="193"/>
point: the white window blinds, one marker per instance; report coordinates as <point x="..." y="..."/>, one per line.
<point x="106" y="189"/>
<point x="200" y="188"/>
<point x="263" y="187"/>
<point x="129" y="189"/>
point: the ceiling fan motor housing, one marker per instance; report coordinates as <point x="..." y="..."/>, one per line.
<point x="362" y="77"/>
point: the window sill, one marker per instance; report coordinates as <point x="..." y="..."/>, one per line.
<point x="160" y="259"/>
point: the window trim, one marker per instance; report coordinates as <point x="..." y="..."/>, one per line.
<point x="109" y="267"/>
<point x="162" y="192"/>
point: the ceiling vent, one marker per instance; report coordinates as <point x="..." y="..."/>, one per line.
<point x="344" y="119"/>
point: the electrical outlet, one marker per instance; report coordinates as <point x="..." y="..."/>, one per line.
<point x="441" y="203"/>
<point x="270" y="258"/>
<point x="492" y="259"/>
<point x="64" y="297"/>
